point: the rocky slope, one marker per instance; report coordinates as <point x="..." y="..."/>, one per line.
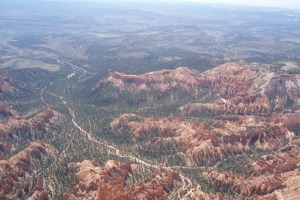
<point x="6" y="84"/>
<point x="241" y="88"/>
<point x="273" y="176"/>
<point x="245" y="145"/>
<point x="16" y="170"/>
<point x="40" y="126"/>
<point x="6" y="112"/>
<point x="21" y="82"/>
<point x="205" y="142"/>
<point x="240" y="111"/>
<point x="247" y="105"/>
<point x="265" y="93"/>
<point x="110" y="182"/>
<point x="226" y="84"/>
<point x="41" y="122"/>
<point x="16" y="166"/>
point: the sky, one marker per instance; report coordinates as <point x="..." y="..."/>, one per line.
<point x="268" y="3"/>
<point x="294" y="4"/>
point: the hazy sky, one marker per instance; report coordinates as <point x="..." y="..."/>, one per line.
<point x="269" y="3"/>
<point x="294" y="4"/>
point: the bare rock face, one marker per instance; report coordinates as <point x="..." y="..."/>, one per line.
<point x="15" y="169"/>
<point x="292" y="122"/>
<point x="225" y="136"/>
<point x="160" y="81"/>
<point x="189" y="80"/>
<point x="272" y="176"/>
<point x="200" y="195"/>
<point x="277" y="164"/>
<point x="252" y="110"/>
<point x="243" y="105"/>
<point x="247" y="187"/>
<point x="6" y="111"/>
<point x="6" y="84"/>
<point x="241" y="88"/>
<point x="248" y="105"/>
<point x="94" y="182"/>
<point x="41" y="123"/>
<point x="24" y="158"/>
<point x="284" y="89"/>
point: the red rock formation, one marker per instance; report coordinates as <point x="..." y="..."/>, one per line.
<point x="292" y="122"/>
<point x="225" y="137"/>
<point x="241" y="89"/>
<point x="39" y="123"/>
<point x="244" y="88"/>
<point x="24" y="158"/>
<point x="6" y="84"/>
<point x="38" y="185"/>
<point x="200" y="195"/>
<point x="34" y="128"/>
<point x="6" y="111"/>
<point x="248" y="105"/>
<point x="272" y="176"/>
<point x="38" y="195"/>
<point x="226" y="84"/>
<point x="247" y="187"/>
<point x="109" y="183"/>
<point x="283" y="88"/>
<point x="15" y="168"/>
<point x="277" y="164"/>
<point x="279" y="92"/>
